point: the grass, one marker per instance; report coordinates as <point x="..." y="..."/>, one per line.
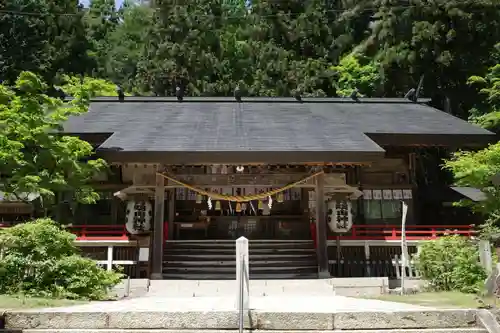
<point x="19" y="302"/>
<point x="444" y="299"/>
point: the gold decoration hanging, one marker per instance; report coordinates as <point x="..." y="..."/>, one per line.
<point x="240" y="198"/>
<point x="217" y="205"/>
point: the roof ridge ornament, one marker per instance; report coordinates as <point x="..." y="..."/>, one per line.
<point x="179" y="93"/>
<point x="355" y="95"/>
<point x="237" y="94"/>
<point x="413" y="93"/>
<point x="121" y="94"/>
<point x="297" y="95"/>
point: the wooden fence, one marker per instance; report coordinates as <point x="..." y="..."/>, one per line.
<point x="391" y="268"/>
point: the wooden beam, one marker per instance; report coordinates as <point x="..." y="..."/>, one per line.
<point x="321" y="231"/>
<point x="157" y="253"/>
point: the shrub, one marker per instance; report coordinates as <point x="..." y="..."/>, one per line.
<point x="451" y="263"/>
<point x="40" y="259"/>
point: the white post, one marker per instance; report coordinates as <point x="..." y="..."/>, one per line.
<point x="109" y="263"/>
<point x="404" y="248"/>
<point x="127" y="287"/>
<point x="241" y="280"/>
<point x="486" y="261"/>
<point x="367" y="259"/>
<point x="485" y="256"/>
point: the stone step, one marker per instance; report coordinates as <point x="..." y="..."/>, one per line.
<point x="445" y="330"/>
<point x="174" y="262"/>
<point x="232" y="256"/>
<point x="227" y="276"/>
<point x="94" y="318"/>
<point x="223" y="269"/>
<point x="232" y="246"/>
<point x="231" y="243"/>
<point x="210" y="250"/>
<point x="216" y="259"/>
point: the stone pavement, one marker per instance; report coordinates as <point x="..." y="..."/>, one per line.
<point x="291" y="305"/>
<point x="299" y="303"/>
<point x="265" y="295"/>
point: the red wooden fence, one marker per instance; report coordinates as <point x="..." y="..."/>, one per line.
<point x="100" y="232"/>
<point x="413" y="232"/>
<point x="358" y="232"/>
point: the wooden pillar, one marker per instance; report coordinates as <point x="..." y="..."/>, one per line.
<point x="171" y="213"/>
<point x="321" y="232"/>
<point x="157" y="253"/>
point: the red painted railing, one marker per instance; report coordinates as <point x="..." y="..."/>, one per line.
<point x="99" y="232"/>
<point x="413" y="232"/>
<point x="94" y="232"/>
<point x="358" y="232"/>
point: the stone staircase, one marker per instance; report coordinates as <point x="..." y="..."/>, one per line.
<point x="216" y="260"/>
<point x="99" y="321"/>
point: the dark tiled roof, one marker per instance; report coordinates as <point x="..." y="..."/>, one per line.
<point x="471" y="193"/>
<point x="264" y="124"/>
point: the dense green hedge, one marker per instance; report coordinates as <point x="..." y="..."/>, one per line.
<point x="451" y="263"/>
<point x="40" y="259"/>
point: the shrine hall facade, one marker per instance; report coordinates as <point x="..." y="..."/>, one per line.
<point x="313" y="183"/>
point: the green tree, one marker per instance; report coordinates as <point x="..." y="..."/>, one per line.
<point x="44" y="37"/>
<point x="451" y="263"/>
<point x="352" y="75"/>
<point x="40" y="259"/>
<point x="486" y="112"/>
<point x="477" y="169"/>
<point x="448" y="41"/>
<point x="34" y="157"/>
<point x="182" y="48"/>
<point x="209" y="48"/>
<point x="101" y="20"/>
<point x="96" y="87"/>
<point x="126" y="44"/>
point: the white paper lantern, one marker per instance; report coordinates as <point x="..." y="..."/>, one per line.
<point x="139" y="215"/>
<point x="339" y="215"/>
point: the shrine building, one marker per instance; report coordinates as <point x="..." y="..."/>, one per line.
<point x="317" y="185"/>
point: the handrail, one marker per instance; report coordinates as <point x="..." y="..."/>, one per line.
<point x="241" y="305"/>
<point x="242" y="278"/>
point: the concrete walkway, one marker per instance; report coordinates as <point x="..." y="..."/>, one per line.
<point x="317" y="304"/>
<point x="294" y="305"/>
<point x="265" y="295"/>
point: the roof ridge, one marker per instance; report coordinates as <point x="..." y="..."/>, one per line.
<point x="304" y="100"/>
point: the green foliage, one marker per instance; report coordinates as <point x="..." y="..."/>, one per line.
<point x="273" y="49"/>
<point x="351" y="75"/>
<point x="487" y="111"/>
<point x="94" y="87"/>
<point x="448" y="41"/>
<point x="451" y="263"/>
<point x="476" y="169"/>
<point x="34" y="157"/>
<point x="46" y="43"/>
<point x="126" y="43"/>
<point x="40" y="259"/>
<point x="100" y="20"/>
